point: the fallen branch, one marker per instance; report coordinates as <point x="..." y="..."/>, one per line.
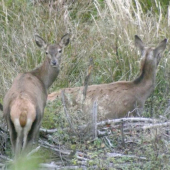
<point x="104" y="132"/>
<point x="51" y="165"/>
<point x="45" y="144"/>
<point x="157" y="125"/>
<point x="82" y="158"/>
<point x="127" y="156"/>
<point x="48" y="131"/>
<point x="130" y="119"/>
<point x="54" y="166"/>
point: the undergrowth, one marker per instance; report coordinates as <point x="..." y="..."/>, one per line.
<point x="103" y="30"/>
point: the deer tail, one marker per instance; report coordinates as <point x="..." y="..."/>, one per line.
<point x="23" y="118"/>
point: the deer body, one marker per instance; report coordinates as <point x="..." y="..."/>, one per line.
<point x="25" y="101"/>
<point x="118" y="99"/>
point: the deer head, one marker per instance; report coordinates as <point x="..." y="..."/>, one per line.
<point x="54" y="51"/>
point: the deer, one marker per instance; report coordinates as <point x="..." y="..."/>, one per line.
<point x="24" y="103"/>
<point x="122" y="98"/>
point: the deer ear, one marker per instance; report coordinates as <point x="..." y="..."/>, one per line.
<point x="65" y="40"/>
<point x="40" y="42"/>
<point x="139" y="44"/>
<point x="161" y="47"/>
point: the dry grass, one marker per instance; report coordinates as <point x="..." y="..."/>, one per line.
<point x="100" y="29"/>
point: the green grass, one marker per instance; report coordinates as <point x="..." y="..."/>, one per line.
<point x="103" y="30"/>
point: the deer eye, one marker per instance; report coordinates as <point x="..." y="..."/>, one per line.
<point x="59" y="50"/>
<point x="46" y="52"/>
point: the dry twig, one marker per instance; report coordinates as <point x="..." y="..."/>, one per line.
<point x="94" y="113"/>
<point x="86" y="81"/>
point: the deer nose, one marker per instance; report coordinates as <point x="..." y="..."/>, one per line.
<point x="54" y="62"/>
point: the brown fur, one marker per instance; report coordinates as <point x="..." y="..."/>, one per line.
<point x="118" y="99"/>
<point x="23" y="119"/>
<point x="25" y="101"/>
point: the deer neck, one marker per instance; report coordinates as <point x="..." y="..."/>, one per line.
<point x="146" y="79"/>
<point x="46" y="73"/>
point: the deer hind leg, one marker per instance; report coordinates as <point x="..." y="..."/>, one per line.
<point x="13" y="134"/>
<point x="19" y="139"/>
<point x="26" y="131"/>
<point x="34" y="132"/>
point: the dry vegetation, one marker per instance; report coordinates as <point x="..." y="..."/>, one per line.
<point x="103" y="30"/>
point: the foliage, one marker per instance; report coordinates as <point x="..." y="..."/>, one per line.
<point x="26" y="163"/>
<point x="154" y="5"/>
<point x="103" y="30"/>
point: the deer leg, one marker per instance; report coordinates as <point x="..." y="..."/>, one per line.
<point x="26" y="132"/>
<point x="18" y="143"/>
<point x="19" y="139"/>
<point x="34" y="132"/>
<point x="13" y="134"/>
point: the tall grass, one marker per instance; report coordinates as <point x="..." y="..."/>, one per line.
<point x="101" y="29"/>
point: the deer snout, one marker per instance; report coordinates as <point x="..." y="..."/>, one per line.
<point x="54" y="63"/>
